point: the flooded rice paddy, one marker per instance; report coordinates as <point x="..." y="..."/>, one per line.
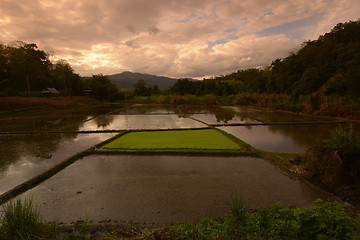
<point x="282" y="138"/>
<point x="26" y="155"/>
<point x="132" y="122"/>
<point x="163" y="189"/>
<point x="155" y="189"/>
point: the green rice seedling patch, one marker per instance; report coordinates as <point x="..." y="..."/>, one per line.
<point x="208" y="139"/>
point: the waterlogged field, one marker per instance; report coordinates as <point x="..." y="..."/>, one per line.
<point x="158" y="190"/>
<point x="155" y="188"/>
<point x="132" y="122"/>
<point x="282" y="138"/>
<point x="184" y="139"/>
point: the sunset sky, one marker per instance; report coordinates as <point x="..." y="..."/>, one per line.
<point x="175" y="38"/>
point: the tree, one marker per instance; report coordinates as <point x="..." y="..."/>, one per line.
<point x="141" y="89"/>
<point x="102" y="87"/>
<point x="23" y="67"/>
<point x="28" y="67"/>
<point x="4" y="81"/>
<point x="64" y="77"/>
<point x="184" y="86"/>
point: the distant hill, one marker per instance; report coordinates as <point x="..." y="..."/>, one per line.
<point x="128" y="79"/>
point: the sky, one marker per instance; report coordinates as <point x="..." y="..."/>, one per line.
<point x="174" y="38"/>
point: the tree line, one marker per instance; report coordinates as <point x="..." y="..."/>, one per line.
<point x="328" y="66"/>
<point x="25" y="69"/>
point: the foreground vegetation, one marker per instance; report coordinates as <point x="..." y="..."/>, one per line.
<point x="327" y="220"/>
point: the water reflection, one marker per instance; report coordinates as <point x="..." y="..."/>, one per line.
<point x="282" y="138"/>
<point x="25" y="156"/>
<point x="137" y="109"/>
<point x="222" y="118"/>
<point x="53" y="120"/>
<point x="278" y="116"/>
<point x="164" y="189"/>
<point x="116" y="122"/>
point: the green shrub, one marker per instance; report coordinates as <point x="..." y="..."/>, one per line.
<point x="328" y="220"/>
<point x="272" y="223"/>
<point x="205" y="229"/>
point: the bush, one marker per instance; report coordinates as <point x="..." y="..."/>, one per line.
<point x="206" y="229"/>
<point x="328" y="220"/>
<point x="336" y="161"/>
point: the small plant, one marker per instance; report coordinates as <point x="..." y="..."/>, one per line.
<point x="20" y="220"/>
<point x="238" y="209"/>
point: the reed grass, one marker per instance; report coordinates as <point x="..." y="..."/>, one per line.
<point x="22" y="220"/>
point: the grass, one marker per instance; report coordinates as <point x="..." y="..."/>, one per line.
<point x="181" y="139"/>
<point x="22" y="220"/>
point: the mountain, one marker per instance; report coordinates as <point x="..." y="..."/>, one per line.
<point x="128" y="79"/>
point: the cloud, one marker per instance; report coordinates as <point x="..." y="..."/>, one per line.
<point x="177" y="38"/>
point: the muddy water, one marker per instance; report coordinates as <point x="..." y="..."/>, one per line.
<point x="163" y="189"/>
<point x="154" y="121"/>
<point x="282" y="138"/>
<point x="25" y="156"/>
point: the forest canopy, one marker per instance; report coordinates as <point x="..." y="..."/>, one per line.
<point x="25" y="68"/>
<point x="329" y="65"/>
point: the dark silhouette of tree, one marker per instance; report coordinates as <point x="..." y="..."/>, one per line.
<point x="140" y="89"/>
<point x="102" y="87"/>
<point x="23" y="67"/>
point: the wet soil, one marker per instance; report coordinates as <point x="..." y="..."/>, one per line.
<point x="17" y="103"/>
<point x="347" y="193"/>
